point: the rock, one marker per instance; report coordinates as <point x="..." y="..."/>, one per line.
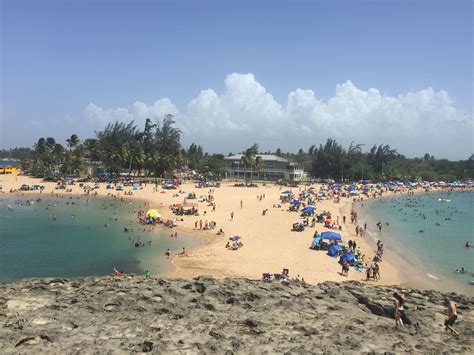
<point x="147" y="346"/>
<point x="200" y="288"/>
<point x="251" y="323"/>
<point x="204" y="315"/>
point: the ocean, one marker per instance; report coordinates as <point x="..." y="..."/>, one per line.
<point x="427" y="234"/>
<point x="77" y="242"/>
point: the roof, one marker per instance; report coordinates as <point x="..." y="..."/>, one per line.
<point x="265" y="157"/>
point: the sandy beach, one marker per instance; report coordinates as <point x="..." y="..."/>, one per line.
<point x="269" y="243"/>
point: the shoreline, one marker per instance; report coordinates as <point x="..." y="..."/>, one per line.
<point x="257" y="256"/>
<point x="412" y="274"/>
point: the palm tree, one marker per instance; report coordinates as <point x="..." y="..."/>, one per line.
<point x="73" y="142"/>
<point x="258" y="165"/>
<point x="135" y="153"/>
<point x="248" y="159"/>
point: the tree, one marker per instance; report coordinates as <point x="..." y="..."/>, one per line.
<point x="113" y="145"/>
<point x="329" y="160"/>
<point x="165" y="148"/>
<point x="73" y="142"/>
<point x="248" y="158"/>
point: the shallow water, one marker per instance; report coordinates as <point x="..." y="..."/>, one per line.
<point x="77" y="243"/>
<point x="440" y="249"/>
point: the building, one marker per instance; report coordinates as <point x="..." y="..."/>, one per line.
<point x="9" y="166"/>
<point x="275" y="168"/>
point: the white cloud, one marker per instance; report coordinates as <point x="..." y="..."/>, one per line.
<point x="414" y="122"/>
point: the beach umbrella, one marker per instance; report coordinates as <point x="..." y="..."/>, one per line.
<point x="350" y="257"/>
<point x="153" y="213"/>
<point x="136" y="185"/>
<point x="295" y="202"/>
<point x="334" y="250"/>
<point x="308" y="209"/>
<point x="331" y="236"/>
<point x="287" y="192"/>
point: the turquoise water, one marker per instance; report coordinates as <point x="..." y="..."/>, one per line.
<point x="32" y="244"/>
<point x="447" y="225"/>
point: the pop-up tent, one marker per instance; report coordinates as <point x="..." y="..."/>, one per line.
<point x="295" y="202"/>
<point x="308" y="209"/>
<point x="331" y="236"/>
<point x="136" y="186"/>
<point x="316" y="241"/>
<point x="350" y="257"/>
<point x="334" y="250"/>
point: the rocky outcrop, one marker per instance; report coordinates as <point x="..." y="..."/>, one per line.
<point x="204" y="315"/>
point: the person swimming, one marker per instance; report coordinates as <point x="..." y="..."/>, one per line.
<point x="468" y="244"/>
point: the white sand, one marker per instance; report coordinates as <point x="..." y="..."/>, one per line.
<point x="269" y="243"/>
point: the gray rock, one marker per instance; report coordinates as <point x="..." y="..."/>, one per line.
<point x="204" y="315"/>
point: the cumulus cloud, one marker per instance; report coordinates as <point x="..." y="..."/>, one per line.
<point x="245" y="112"/>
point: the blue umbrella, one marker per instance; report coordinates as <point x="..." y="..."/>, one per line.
<point x="331" y="236"/>
<point x="308" y="209"/>
<point x="350" y="257"/>
<point x="295" y="202"/>
<point x="334" y="250"/>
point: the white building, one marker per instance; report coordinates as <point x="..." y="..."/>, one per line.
<point x="275" y="168"/>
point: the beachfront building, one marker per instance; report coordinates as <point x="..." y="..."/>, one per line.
<point x="274" y="168"/>
<point x="9" y="167"/>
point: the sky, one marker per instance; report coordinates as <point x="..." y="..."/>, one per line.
<point x="284" y="74"/>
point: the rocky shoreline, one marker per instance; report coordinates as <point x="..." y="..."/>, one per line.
<point x="205" y="315"/>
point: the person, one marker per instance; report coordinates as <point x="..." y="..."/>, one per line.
<point x="345" y="268"/>
<point x="401" y="309"/>
<point x="241" y="204"/>
<point x="117" y="273"/>
<point x="468" y="244"/>
<point x="147" y="274"/>
<point x="376" y="271"/>
<point x="232" y="216"/>
<point x="398" y="311"/>
<point x="168" y="254"/>
<point x="452" y="315"/>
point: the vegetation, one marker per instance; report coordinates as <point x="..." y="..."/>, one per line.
<point x="122" y="148"/>
<point x="331" y="160"/>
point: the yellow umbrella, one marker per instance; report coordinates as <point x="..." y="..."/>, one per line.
<point x="153" y="213"/>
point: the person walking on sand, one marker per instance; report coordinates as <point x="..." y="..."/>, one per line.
<point x="232" y="216"/>
<point x="452" y="315"/>
<point x="241" y="204"/>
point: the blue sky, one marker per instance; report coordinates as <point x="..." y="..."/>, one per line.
<point x="60" y="56"/>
